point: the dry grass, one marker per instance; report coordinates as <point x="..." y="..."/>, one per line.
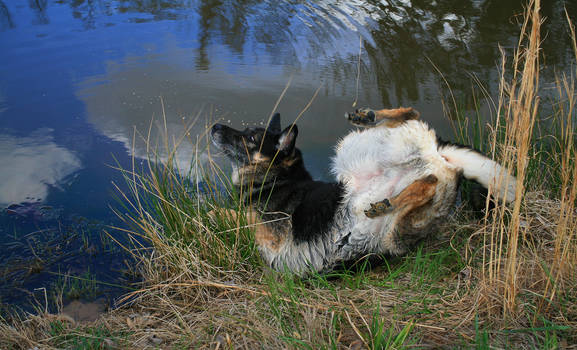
<point x="521" y="255"/>
<point x="506" y="281"/>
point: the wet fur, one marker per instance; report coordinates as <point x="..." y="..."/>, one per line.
<point x="395" y="182"/>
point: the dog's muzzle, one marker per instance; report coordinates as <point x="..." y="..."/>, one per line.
<point x="216" y="134"/>
<point x="224" y="138"/>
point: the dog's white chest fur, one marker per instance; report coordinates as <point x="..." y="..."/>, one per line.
<point x="379" y="163"/>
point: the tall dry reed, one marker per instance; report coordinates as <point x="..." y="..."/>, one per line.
<point x="515" y="261"/>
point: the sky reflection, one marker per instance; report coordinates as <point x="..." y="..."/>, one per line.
<point x="31" y="166"/>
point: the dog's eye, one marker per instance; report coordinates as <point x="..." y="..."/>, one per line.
<point x="252" y="139"/>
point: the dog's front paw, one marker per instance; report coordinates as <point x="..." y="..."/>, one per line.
<point x="365" y="117"/>
<point x="379" y="209"/>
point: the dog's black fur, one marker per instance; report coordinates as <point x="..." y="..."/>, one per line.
<point x="281" y="185"/>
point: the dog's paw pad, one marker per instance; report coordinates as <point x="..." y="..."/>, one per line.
<point x="378" y="209"/>
<point x="362" y="117"/>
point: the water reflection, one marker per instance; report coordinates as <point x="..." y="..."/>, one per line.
<point x="403" y="39"/>
<point x="31" y="166"/>
<point x="93" y="70"/>
<point x="39" y="7"/>
<point x="243" y="52"/>
<point x="5" y="17"/>
<point x="128" y="96"/>
<point x="3" y="104"/>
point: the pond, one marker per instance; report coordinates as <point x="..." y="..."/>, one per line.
<point x="79" y="79"/>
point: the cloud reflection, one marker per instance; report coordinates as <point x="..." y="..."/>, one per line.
<point x="129" y="95"/>
<point x="31" y="165"/>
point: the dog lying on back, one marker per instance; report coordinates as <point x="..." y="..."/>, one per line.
<point x="395" y="182"/>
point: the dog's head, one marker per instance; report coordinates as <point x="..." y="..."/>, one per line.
<point x="257" y="151"/>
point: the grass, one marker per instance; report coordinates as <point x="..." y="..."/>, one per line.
<point x="503" y="281"/>
<point x="98" y="337"/>
<point x="84" y="286"/>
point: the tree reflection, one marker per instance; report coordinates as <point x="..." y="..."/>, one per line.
<point x="461" y="38"/>
<point x="5" y="17"/>
<point x="39" y="8"/>
<point x="89" y="11"/>
<point x="404" y="40"/>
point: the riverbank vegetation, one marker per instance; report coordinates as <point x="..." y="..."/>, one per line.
<point x="504" y="280"/>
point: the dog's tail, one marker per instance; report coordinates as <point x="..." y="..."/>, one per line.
<point x="484" y="170"/>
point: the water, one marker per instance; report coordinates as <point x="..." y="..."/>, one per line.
<point x="78" y="77"/>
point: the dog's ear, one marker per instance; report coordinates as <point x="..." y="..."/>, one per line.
<point x="287" y="139"/>
<point x="274" y="124"/>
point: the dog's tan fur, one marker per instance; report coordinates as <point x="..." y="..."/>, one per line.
<point x="390" y="118"/>
<point x="265" y="236"/>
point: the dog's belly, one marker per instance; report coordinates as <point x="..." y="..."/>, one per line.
<point x="375" y="185"/>
<point x="378" y="164"/>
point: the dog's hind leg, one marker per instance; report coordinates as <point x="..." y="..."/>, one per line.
<point x="413" y="221"/>
<point x="390" y="118"/>
<point x="413" y="196"/>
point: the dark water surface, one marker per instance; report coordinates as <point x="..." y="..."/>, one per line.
<point x="78" y="76"/>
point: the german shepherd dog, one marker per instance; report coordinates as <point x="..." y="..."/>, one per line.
<point x="396" y="181"/>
